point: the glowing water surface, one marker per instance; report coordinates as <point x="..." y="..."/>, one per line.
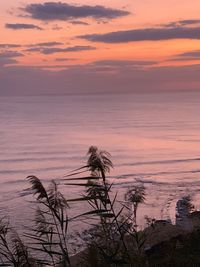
<point x="154" y="139"/>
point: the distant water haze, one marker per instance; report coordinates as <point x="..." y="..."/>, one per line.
<point x="153" y="138"/>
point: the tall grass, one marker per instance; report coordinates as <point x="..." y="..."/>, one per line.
<point x="113" y="240"/>
<point x="109" y="238"/>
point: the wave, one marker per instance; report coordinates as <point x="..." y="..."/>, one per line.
<point x="22" y="181"/>
<point x="192" y="185"/>
<point x="38" y="152"/>
<point x="136" y="176"/>
<point x="129" y="175"/>
<point x="168" y="161"/>
<point x="36" y="159"/>
<point x="31" y="171"/>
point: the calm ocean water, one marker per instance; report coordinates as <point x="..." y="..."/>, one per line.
<point x="154" y="139"/>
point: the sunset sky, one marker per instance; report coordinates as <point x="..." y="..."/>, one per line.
<point x="91" y="46"/>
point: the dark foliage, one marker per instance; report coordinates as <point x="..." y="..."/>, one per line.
<point x="113" y="238"/>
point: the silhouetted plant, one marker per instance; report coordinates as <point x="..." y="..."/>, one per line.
<point x="135" y="196"/>
<point x="49" y="236"/>
<point x="99" y="162"/>
<point x="108" y="237"/>
<point x="187" y="202"/>
<point x="13" y="251"/>
<point x="112" y="239"/>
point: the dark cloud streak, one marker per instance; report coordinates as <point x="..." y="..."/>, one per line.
<point x="122" y="63"/>
<point x="63" y="59"/>
<point x="22" y="26"/>
<point x="149" y="34"/>
<point x="53" y="50"/>
<point x="187" y="56"/>
<point x="195" y="53"/>
<point x="10" y="54"/>
<point x="6" y="46"/>
<point x="179" y="23"/>
<point x="8" y="57"/>
<point x="51" y="11"/>
<point x="46" y="44"/>
<point x="78" y="22"/>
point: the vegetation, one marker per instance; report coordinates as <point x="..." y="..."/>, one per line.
<point x="113" y="238"/>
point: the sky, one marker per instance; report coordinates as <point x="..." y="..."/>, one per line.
<point x="99" y="46"/>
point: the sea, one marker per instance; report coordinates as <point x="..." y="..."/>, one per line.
<point x="153" y="139"/>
